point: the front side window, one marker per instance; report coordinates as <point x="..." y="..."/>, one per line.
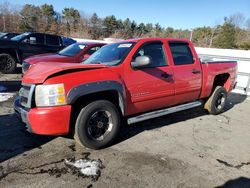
<point x="181" y="53"/>
<point x="52" y="40"/>
<point x="36" y="39"/>
<point x="112" y="54"/>
<point x="155" y="51"/>
<point x="72" y="50"/>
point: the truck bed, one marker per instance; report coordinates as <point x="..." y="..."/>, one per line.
<point x="211" y="69"/>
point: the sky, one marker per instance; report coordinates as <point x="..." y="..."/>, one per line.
<point x="179" y="14"/>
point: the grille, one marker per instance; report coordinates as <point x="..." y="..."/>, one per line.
<point x="26" y="94"/>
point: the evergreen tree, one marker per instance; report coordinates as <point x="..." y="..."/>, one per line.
<point x="95" y="27"/>
<point x="110" y="25"/>
<point x="227" y="36"/>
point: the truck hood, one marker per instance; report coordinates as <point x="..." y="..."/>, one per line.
<point x="8" y="44"/>
<point x="38" y="73"/>
<point x="49" y="58"/>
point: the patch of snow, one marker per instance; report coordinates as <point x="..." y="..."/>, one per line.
<point x="6" y="96"/>
<point x="2" y="88"/>
<point x="86" y="167"/>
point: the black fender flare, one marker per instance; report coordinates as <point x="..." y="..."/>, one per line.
<point x="95" y="87"/>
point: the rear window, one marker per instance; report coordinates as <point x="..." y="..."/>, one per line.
<point x="52" y="40"/>
<point x="181" y="53"/>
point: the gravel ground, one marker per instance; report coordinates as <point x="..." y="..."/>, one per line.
<point x="186" y="149"/>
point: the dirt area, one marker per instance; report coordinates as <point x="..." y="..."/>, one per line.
<point x="186" y="149"/>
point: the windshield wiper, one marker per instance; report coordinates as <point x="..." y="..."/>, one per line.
<point x="96" y="62"/>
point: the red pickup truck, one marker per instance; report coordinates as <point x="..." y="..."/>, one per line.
<point x="75" y="53"/>
<point x="133" y="81"/>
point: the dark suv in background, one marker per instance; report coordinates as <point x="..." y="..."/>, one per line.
<point x="16" y="49"/>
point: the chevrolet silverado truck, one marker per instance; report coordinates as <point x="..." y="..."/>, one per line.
<point x="16" y="49"/>
<point x="74" y="53"/>
<point x="130" y="81"/>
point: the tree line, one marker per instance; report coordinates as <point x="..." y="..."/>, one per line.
<point x="233" y="33"/>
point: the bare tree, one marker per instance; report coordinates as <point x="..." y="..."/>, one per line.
<point x="248" y="24"/>
<point x="237" y="19"/>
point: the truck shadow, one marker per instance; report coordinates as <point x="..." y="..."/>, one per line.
<point x="239" y="182"/>
<point x="10" y="86"/>
<point x="14" y="139"/>
<point x="18" y="70"/>
<point x="234" y="99"/>
<point x="129" y="131"/>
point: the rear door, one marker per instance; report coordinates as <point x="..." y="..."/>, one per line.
<point x="187" y="72"/>
<point x="150" y="87"/>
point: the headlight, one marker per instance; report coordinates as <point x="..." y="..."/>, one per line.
<point x="50" y="95"/>
<point x="25" y="67"/>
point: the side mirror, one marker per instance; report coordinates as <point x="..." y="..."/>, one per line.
<point x="32" y="40"/>
<point x="141" y="61"/>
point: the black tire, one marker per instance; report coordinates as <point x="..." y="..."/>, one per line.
<point x="217" y="101"/>
<point x="7" y="63"/>
<point x="88" y="127"/>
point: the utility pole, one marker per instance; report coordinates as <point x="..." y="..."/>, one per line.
<point x="212" y="36"/>
<point x="4" y="25"/>
<point x="191" y="35"/>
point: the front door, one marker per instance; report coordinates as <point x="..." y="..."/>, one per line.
<point x="150" y="87"/>
<point x="32" y="45"/>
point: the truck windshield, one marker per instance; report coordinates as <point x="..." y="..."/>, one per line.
<point x="19" y="37"/>
<point x="112" y="54"/>
<point x="72" y="50"/>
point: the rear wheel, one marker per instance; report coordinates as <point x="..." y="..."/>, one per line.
<point x="7" y="63"/>
<point x="217" y="101"/>
<point x="97" y="124"/>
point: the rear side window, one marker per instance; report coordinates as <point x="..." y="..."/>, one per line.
<point x="181" y="53"/>
<point x="52" y="40"/>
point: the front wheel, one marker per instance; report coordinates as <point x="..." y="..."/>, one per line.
<point x="7" y="63"/>
<point x="217" y="101"/>
<point x="97" y="124"/>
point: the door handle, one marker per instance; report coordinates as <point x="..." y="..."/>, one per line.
<point x="194" y="71"/>
<point x="166" y="75"/>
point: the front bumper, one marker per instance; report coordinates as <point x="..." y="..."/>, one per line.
<point x="22" y="113"/>
<point x="44" y="120"/>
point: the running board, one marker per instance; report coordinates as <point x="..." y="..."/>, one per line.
<point x="158" y="113"/>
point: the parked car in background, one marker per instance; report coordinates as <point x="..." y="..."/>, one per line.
<point x="8" y="36"/>
<point x="133" y="80"/>
<point x="16" y="49"/>
<point x="68" y="41"/>
<point x="75" y="53"/>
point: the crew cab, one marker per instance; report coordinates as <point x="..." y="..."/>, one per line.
<point x="75" y="53"/>
<point x="16" y="49"/>
<point x="133" y="80"/>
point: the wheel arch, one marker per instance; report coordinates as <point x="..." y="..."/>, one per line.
<point x="221" y="80"/>
<point x="108" y="90"/>
<point x="11" y="52"/>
